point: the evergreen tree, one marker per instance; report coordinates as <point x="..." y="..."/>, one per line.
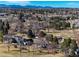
<point x="30" y="33"/>
<point x="69" y="46"/>
<point x="6" y="27"/>
<point x="1" y="25"/>
<point x="21" y="17"/>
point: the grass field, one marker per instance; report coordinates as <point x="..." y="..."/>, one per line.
<point x="63" y="33"/>
<point x="14" y="52"/>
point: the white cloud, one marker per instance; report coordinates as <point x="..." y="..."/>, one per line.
<point x="72" y="3"/>
<point x="14" y="0"/>
<point x="22" y="3"/>
<point x="39" y="0"/>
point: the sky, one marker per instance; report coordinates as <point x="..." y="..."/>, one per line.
<point x="71" y="4"/>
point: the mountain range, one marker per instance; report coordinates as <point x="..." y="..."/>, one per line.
<point x="19" y="6"/>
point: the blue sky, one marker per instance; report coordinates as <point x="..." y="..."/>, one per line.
<point x="71" y="4"/>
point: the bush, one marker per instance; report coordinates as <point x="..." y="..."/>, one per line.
<point x="42" y="34"/>
<point x="66" y="43"/>
<point x="55" y="39"/>
<point x="49" y="37"/>
<point x="30" y="34"/>
<point x="1" y="36"/>
<point x="70" y="46"/>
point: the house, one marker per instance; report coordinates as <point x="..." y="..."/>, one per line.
<point x="3" y="14"/>
<point x="77" y="52"/>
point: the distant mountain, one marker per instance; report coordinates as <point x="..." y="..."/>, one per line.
<point x="27" y="6"/>
<point x="19" y="6"/>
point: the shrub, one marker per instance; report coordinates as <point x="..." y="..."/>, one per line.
<point x="30" y="34"/>
<point x="1" y="36"/>
<point x="42" y="34"/>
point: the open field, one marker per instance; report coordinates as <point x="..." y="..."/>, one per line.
<point x="14" y="52"/>
<point x="37" y="31"/>
<point x="63" y="33"/>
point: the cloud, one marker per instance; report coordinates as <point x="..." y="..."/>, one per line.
<point x="72" y="4"/>
<point x="14" y="0"/>
<point x="22" y="3"/>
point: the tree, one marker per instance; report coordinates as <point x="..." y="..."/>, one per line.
<point x="65" y="46"/>
<point x="1" y="36"/>
<point x="21" y="17"/>
<point x="30" y="34"/>
<point x="42" y="34"/>
<point x="73" y="45"/>
<point x="55" y="39"/>
<point x="59" y="23"/>
<point x="6" y="27"/>
<point x="66" y="43"/>
<point x="69" y="46"/>
<point x="71" y="53"/>
<point x="67" y="24"/>
<point x="1" y="25"/>
<point x="39" y="19"/>
<point x="7" y="24"/>
<point x="49" y="37"/>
